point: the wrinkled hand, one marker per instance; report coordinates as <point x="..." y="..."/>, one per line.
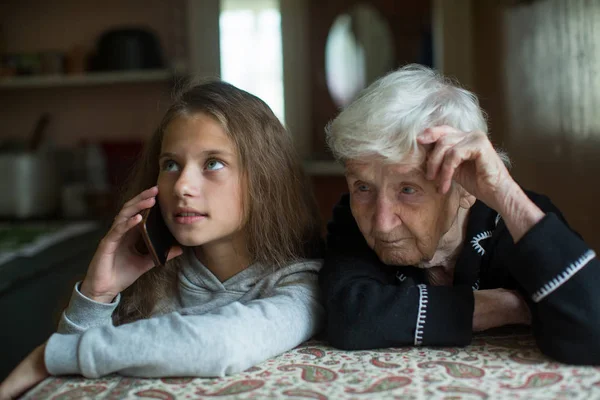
<point x="116" y="263"/>
<point x="29" y="372"/>
<point x="469" y="159"/>
<point x="499" y="307"/>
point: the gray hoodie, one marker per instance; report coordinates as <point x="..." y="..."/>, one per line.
<point x="213" y="328"/>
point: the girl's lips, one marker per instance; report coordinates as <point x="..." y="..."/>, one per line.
<point x="189" y="218"/>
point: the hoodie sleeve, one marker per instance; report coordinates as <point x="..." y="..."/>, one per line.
<point x="227" y="340"/>
<point x="83" y="313"/>
<point x="368" y="306"/>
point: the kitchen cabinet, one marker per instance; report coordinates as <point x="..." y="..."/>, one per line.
<point x="35" y="289"/>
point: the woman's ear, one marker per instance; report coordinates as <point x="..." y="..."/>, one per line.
<point x="466" y="199"/>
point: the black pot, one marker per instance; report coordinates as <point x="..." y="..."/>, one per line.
<point x="127" y="49"/>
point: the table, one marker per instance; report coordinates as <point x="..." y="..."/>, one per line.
<point x="500" y="364"/>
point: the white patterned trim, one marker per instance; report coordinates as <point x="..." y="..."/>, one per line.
<point x="421" y="314"/>
<point x="478" y="238"/>
<point x="400" y="276"/>
<point x="563" y="276"/>
<point x="475" y="285"/>
<point x="498" y="218"/>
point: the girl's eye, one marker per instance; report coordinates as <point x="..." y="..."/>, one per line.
<point x="214" y="165"/>
<point x="408" y="190"/>
<point x="169" y="165"/>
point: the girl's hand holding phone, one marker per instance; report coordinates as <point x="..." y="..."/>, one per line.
<point x="116" y="263"/>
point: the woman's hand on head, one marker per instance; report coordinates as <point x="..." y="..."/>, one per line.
<point x="117" y="263"/>
<point x="468" y="158"/>
<point x="31" y="371"/>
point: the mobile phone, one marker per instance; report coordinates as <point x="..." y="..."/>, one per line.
<point x="157" y="236"/>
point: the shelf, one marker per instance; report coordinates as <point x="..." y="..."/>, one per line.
<point x="89" y="79"/>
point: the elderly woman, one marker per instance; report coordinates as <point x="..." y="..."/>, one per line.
<point x="436" y="240"/>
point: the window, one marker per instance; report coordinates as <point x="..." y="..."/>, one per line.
<point x="251" y="54"/>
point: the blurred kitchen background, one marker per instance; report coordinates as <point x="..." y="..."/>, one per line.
<point x="84" y="83"/>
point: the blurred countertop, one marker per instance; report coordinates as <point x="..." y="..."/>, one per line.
<point x="31" y="247"/>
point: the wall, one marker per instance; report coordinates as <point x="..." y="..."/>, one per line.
<point x="295" y="23"/>
<point x="453" y="39"/>
<point x="408" y="22"/>
<point x="203" y="37"/>
<point x="539" y="63"/>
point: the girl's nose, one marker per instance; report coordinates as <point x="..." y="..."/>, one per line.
<point x="187" y="185"/>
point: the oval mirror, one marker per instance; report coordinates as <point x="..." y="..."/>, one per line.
<point x="359" y="50"/>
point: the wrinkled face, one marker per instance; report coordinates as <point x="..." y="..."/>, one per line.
<point x="399" y="212"/>
<point x="199" y="184"/>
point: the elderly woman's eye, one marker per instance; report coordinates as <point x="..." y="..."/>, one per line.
<point x="362" y="188"/>
<point x="408" y="190"/>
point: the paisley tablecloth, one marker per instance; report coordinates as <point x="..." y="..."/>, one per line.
<point x="500" y="365"/>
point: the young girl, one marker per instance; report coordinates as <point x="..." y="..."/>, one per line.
<point x="239" y="289"/>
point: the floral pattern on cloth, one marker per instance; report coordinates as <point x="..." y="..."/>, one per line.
<point x="503" y="364"/>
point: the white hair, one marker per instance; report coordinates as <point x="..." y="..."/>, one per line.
<point x="387" y="117"/>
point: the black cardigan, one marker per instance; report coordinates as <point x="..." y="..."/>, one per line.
<point x="373" y="305"/>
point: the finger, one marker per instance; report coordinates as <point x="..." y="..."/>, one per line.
<point x="437" y="153"/>
<point x="433" y="134"/>
<point x="151" y="192"/>
<point x="428" y="136"/>
<point x="133" y="209"/>
<point x="175" y="251"/>
<point x="453" y="159"/>
<point x="119" y="230"/>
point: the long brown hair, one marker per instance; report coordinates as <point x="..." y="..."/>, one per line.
<point x="282" y="220"/>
